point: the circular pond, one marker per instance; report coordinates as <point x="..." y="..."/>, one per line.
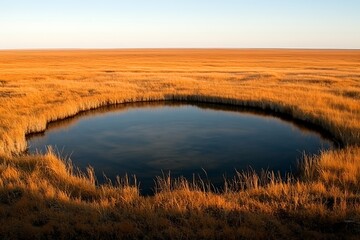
<point x="147" y="139"/>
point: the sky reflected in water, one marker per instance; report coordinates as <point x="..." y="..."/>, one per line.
<point x="146" y="139"/>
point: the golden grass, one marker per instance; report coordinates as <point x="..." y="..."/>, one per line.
<point x="43" y="196"/>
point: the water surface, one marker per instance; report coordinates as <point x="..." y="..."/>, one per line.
<point x="185" y="139"/>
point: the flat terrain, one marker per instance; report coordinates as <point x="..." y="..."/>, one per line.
<point x="43" y="196"/>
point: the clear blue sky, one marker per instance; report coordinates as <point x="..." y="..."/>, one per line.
<point x="181" y="23"/>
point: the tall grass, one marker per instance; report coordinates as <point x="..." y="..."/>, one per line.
<point x="43" y="196"/>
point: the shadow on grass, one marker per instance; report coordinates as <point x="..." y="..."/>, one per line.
<point x="168" y="215"/>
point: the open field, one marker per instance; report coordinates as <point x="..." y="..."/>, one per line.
<point x="42" y="196"/>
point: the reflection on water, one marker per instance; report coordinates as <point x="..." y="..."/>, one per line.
<point x="148" y="138"/>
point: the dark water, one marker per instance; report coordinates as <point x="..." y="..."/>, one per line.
<point x="146" y="139"/>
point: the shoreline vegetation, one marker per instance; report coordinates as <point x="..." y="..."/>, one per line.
<point x="44" y="196"/>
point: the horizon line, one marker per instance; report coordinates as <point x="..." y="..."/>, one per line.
<point x="175" y="48"/>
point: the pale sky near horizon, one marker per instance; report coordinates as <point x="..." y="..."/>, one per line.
<point x="179" y="24"/>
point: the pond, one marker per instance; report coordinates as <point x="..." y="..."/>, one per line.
<point x="207" y="140"/>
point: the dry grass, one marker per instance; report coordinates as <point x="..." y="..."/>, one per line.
<point x="42" y="196"/>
